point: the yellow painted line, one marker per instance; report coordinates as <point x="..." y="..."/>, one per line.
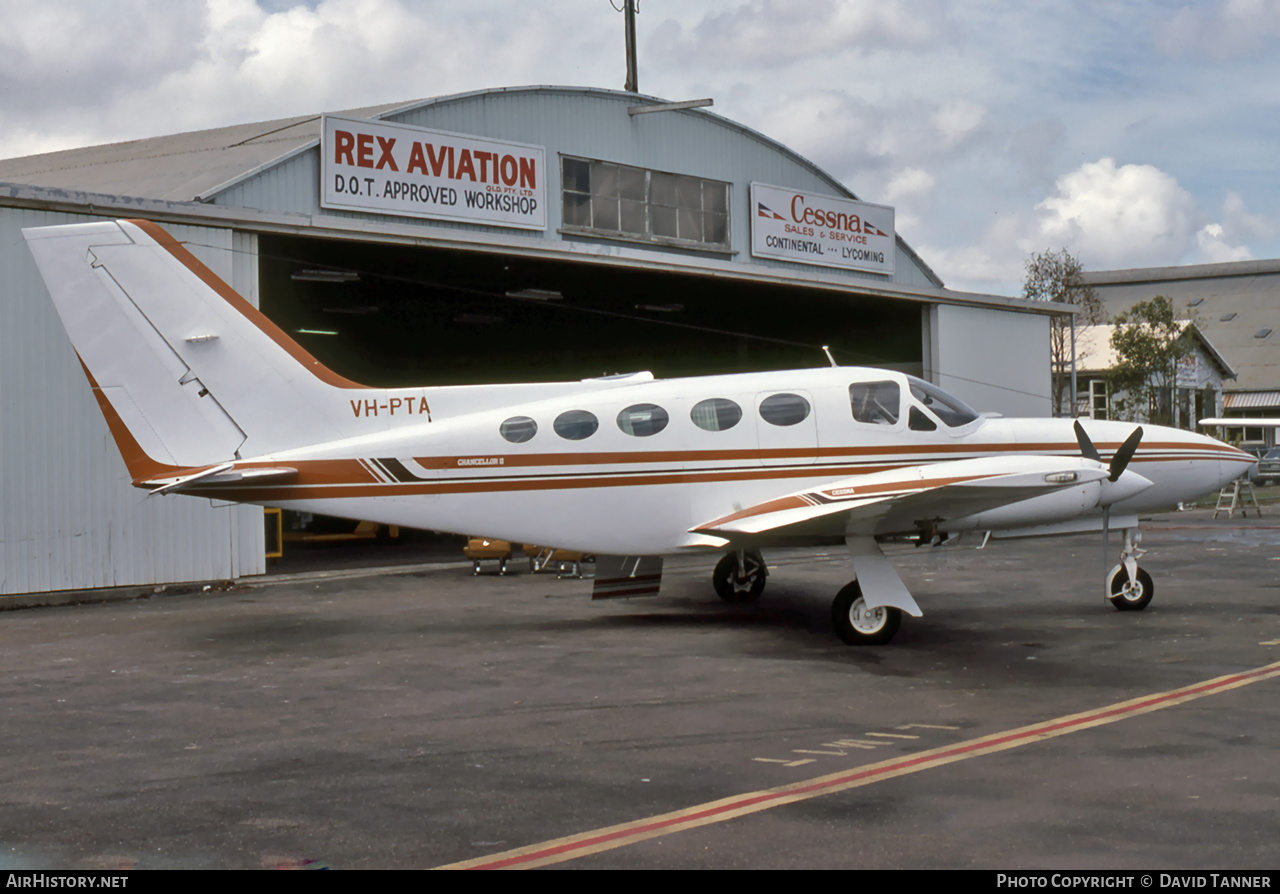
<point x="1271" y="642"/>
<point x="924" y="726"/>
<point x="892" y="735"/>
<point x="597" y="840"/>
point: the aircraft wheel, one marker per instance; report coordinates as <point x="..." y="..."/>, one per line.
<point x="858" y="625"/>
<point x="1129" y="595"/>
<point x="737" y="586"/>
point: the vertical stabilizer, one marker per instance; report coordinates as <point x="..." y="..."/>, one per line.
<point x="192" y="371"/>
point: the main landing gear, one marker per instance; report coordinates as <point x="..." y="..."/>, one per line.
<point x="858" y="625"/>
<point x="1129" y="588"/>
<point x="740" y="576"/>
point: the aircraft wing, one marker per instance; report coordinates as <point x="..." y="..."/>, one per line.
<point x="903" y="500"/>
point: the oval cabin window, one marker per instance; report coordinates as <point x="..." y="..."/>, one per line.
<point x="784" y="409"/>
<point x="518" y="429"/>
<point x="575" y="425"/>
<point x="716" y="414"/>
<point x="643" y="420"/>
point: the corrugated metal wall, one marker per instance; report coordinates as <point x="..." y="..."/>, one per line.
<point x="69" y="518"/>
<point x="589" y="125"/>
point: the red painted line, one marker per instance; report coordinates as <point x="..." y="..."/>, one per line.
<point x="835" y="782"/>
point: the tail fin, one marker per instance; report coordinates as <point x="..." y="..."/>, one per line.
<point x="186" y="371"/>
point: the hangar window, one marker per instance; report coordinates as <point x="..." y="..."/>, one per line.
<point x="624" y="202"/>
<point x="643" y="420"/>
<point x="875" y="403"/>
<point x="716" y="414"/>
<point x="575" y="425"/>
<point x="518" y="429"/>
<point x="784" y="409"/>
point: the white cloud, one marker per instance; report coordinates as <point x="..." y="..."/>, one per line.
<point x="910" y="183"/>
<point x="771" y="34"/>
<point x="1215" y="249"/>
<point x="994" y="261"/>
<point x="957" y="120"/>
<point x="1243" y="224"/>
<point x="75" y="73"/>
<point x="1225" y="30"/>
<point x="1127" y="216"/>
<point x="911" y="192"/>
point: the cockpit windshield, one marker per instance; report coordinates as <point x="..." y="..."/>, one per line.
<point x="950" y="410"/>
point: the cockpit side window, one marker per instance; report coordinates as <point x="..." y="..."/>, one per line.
<point x="919" y="421"/>
<point x="875" y="403"/>
<point x="951" y="410"/>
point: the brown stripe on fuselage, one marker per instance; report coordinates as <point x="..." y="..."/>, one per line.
<point x="349" y="479"/>
<point x="510" y="460"/>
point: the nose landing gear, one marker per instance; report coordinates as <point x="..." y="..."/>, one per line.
<point x="1129" y="588"/>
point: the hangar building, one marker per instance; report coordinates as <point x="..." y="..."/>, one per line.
<point x="1237" y="306"/>
<point x="534" y="233"/>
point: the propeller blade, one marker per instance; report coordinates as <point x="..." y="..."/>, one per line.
<point x="1087" y="450"/>
<point x="1122" y="456"/>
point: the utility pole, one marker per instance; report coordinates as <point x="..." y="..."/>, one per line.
<point x="632" y="85"/>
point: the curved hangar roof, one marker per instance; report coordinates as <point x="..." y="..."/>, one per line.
<point x="276" y="167"/>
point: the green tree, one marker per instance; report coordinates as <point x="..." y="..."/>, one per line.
<point x="1148" y="342"/>
<point x="1058" y="276"/>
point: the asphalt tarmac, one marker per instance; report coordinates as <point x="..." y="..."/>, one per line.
<point x="419" y="716"/>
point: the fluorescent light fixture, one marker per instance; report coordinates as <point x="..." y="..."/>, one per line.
<point x="324" y="276"/>
<point x="536" y="295"/>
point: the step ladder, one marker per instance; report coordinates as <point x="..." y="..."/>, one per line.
<point x="1237" y="495"/>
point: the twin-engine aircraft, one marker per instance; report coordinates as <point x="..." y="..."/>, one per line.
<point x="205" y="396"/>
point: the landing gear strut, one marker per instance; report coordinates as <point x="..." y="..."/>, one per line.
<point x="739" y="576"/>
<point x="1129" y="588"/>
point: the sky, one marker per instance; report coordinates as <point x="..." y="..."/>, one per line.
<point x="1133" y="133"/>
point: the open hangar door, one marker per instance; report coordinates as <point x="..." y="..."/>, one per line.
<point x="389" y="315"/>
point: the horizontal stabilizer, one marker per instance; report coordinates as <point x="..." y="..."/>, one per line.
<point x="226" y="473"/>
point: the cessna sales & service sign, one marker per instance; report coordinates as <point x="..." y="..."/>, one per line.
<point x="810" y="228"/>
<point x="379" y="167"/>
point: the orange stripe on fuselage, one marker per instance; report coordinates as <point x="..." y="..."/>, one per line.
<point x="510" y="460"/>
<point x="349" y="479"/>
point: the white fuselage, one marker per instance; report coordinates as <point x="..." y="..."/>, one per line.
<point x="643" y="492"/>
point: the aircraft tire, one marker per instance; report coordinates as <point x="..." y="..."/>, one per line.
<point x="738" y="589"/>
<point x="1129" y="596"/>
<point x="859" y="626"/>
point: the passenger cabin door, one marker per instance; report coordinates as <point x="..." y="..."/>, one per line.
<point x="786" y="428"/>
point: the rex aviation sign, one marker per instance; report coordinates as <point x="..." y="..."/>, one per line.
<point x="385" y="168"/>
<point x="810" y="228"/>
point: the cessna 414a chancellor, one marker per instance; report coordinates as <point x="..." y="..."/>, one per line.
<point x="205" y="396"/>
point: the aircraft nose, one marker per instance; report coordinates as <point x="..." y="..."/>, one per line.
<point x="1232" y="462"/>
